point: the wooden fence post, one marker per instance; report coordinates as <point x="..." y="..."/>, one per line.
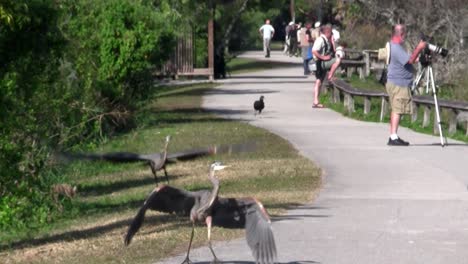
<point x="367" y="105"/>
<point x="349" y="103"/>
<point x="336" y="95"/>
<point x="414" y="114"/>
<point x="452" y="122"/>
<point x="383" y="108"/>
<point x="361" y="73"/>
<point x="324" y="88"/>
<point x="435" y="126"/>
<point x="367" y="61"/>
<point x="427" y="115"/>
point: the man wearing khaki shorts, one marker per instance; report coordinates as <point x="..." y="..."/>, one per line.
<point x="323" y="51"/>
<point x="399" y="80"/>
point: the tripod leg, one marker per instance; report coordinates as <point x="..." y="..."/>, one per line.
<point x="436" y="105"/>
<point x="417" y="80"/>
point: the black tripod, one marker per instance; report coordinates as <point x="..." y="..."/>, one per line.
<point x="427" y="71"/>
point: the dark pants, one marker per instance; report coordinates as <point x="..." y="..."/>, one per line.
<point x="306" y="66"/>
<point x="293" y="47"/>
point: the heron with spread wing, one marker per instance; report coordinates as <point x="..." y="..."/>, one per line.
<point x="205" y="206"/>
<point x="158" y="161"/>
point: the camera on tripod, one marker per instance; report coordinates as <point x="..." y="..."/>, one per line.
<point x="437" y="49"/>
<point x="426" y="55"/>
<point x="425" y="58"/>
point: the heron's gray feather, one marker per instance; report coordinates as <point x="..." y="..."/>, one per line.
<point x="260" y="235"/>
<point x="163" y="199"/>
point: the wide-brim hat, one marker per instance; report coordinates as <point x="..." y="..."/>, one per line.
<point x="384" y="54"/>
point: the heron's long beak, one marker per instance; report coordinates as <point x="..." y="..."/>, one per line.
<point x="221" y="167"/>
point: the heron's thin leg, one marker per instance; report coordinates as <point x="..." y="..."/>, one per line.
<point x="155" y="178"/>
<point x="187" y="259"/>
<point x="153" y="170"/>
<point x="208" y="224"/>
<point x="165" y="173"/>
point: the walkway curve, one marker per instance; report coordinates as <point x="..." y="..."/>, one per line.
<point x="378" y="204"/>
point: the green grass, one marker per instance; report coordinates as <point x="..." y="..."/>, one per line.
<point x="369" y="83"/>
<point x="92" y="225"/>
<point x="374" y="116"/>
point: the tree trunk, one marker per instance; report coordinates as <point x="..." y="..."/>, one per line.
<point x="226" y="37"/>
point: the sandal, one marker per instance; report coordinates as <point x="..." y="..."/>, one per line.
<point x="319" y="105"/>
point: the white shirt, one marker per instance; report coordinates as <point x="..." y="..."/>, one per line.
<point x="320" y="44"/>
<point x="268" y="30"/>
<point x="335" y="35"/>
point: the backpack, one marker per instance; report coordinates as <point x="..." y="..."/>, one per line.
<point x="384" y="54"/>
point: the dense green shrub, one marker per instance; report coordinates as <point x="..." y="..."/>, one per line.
<point x="70" y="71"/>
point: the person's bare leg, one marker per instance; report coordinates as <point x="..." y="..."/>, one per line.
<point x="394" y="123"/>
<point x="318" y="83"/>
<point x="333" y="68"/>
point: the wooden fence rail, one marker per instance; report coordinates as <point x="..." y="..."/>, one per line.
<point x="341" y="89"/>
<point x="361" y="61"/>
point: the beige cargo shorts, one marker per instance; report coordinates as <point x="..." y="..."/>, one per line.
<point x="400" y="98"/>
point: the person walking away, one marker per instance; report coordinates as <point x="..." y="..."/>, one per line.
<point x="286" y="37"/>
<point x="267" y="32"/>
<point x="305" y="43"/>
<point x="298" y="32"/>
<point x="293" y="41"/>
<point x="399" y="80"/>
<point x="323" y="52"/>
<point x="316" y="31"/>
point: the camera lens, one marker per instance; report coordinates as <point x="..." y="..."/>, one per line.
<point x="439" y="50"/>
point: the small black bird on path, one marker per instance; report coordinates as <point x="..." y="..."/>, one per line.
<point x="205" y="206"/>
<point x="259" y="105"/>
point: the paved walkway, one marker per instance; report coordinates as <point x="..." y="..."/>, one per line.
<point x="378" y="204"/>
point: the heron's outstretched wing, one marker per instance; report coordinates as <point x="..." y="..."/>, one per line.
<point x="112" y="156"/>
<point x="259" y="234"/>
<point x="211" y="150"/>
<point x="163" y="199"/>
<point x="247" y="213"/>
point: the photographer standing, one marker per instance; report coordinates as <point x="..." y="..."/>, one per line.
<point x="324" y="53"/>
<point x="399" y="80"/>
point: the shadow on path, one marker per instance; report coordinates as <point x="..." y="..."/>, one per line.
<point x="252" y="262"/>
<point x="438" y="145"/>
<point x="269" y="77"/>
<point x="267" y="82"/>
<point x="296" y="217"/>
<point x="93" y="232"/>
<point x="236" y="91"/>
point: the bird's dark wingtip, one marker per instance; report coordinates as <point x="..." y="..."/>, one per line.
<point x="127" y="240"/>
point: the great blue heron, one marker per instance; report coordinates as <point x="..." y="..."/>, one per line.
<point x="205" y="206"/>
<point x="158" y="161"/>
<point x="259" y="105"/>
